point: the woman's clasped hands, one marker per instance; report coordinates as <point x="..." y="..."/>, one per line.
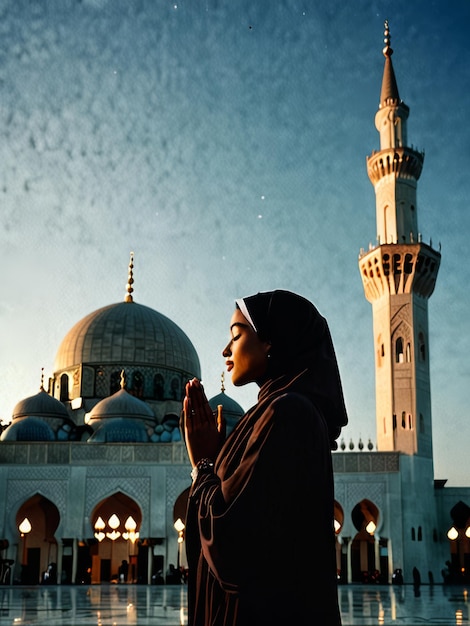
<point x="204" y="429"/>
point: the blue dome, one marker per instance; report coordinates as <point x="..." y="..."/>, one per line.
<point x="128" y="332"/>
<point x="231" y="410"/>
<point x="40" y="405"/>
<point x="120" y="430"/>
<point x="28" y="429"/>
<point x="121" y="404"/>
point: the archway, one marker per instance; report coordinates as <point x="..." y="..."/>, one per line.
<point x="37" y="521"/>
<point x="341" y="547"/>
<point x="179" y="521"/>
<point x="365" y="560"/>
<point x="113" y="555"/>
<point x="457" y="569"/>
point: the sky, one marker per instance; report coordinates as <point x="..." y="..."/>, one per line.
<point x="224" y="142"/>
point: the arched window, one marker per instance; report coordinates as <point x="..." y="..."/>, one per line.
<point x="421" y="347"/>
<point x="386" y="264"/>
<point x="158" y="387"/>
<point x="420" y="533"/>
<point x="394" y="422"/>
<point x="175" y="389"/>
<point x="403" y="419"/>
<point x="422" y="429"/>
<point x="397" y="263"/>
<point x="410" y="421"/>
<point x="64" y="388"/>
<point x="380" y="350"/>
<point x="408" y="353"/>
<point x="114" y="382"/>
<point x="408" y="264"/>
<point x="399" y="350"/>
<point x="137" y="388"/>
<point x="413" y="534"/>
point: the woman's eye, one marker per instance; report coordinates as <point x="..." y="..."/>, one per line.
<point x="236" y="337"/>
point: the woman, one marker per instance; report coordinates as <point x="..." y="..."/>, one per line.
<point x="259" y="527"/>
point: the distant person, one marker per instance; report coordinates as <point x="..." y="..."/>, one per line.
<point x="397" y="577"/>
<point x="261" y="503"/>
<point x="49" y="577"/>
<point x="123" y="571"/>
<point x="416" y="581"/>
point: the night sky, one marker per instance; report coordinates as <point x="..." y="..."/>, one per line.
<point x="224" y="142"/>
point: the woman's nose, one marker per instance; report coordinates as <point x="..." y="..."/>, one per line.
<point x="227" y="351"/>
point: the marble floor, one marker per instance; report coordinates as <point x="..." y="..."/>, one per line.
<point x="120" y="605"/>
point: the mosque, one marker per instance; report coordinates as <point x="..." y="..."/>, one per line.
<point x="94" y="474"/>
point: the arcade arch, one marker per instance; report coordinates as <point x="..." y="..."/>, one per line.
<point x="116" y="522"/>
<point x="37" y="520"/>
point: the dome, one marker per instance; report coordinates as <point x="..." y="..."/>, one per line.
<point x="120" y="430"/>
<point x="121" y="404"/>
<point x="231" y="410"/>
<point x="28" y="429"/>
<point x="127" y="332"/>
<point x="40" y="405"/>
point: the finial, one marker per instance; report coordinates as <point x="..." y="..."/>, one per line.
<point x="41" y="388"/>
<point x="130" y="280"/>
<point x="387" y="51"/>
<point x="222" y="380"/>
<point x="123" y="379"/>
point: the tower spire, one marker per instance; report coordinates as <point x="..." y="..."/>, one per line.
<point x="389" y="92"/>
<point x="130" y="280"/>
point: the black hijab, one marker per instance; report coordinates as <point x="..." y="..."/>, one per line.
<point x="300" y="339"/>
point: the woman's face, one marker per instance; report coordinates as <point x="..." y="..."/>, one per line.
<point x="245" y="354"/>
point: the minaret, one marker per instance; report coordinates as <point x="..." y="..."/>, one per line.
<point x="399" y="275"/>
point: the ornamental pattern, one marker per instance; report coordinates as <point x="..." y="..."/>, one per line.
<point x="52" y="485"/>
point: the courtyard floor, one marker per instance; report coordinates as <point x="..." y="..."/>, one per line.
<point x="119" y="605"/>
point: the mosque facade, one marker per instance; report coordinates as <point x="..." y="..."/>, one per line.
<point x="94" y="475"/>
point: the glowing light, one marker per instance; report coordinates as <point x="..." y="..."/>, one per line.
<point x="370" y="528"/>
<point x="114" y="521"/>
<point x="113" y="535"/>
<point x="130" y="524"/>
<point x="25" y="526"/>
<point x="452" y="533"/>
<point x="99" y="524"/>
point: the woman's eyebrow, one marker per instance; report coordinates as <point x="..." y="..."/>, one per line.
<point x="239" y="324"/>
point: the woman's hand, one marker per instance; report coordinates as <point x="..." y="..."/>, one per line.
<point x="204" y="429"/>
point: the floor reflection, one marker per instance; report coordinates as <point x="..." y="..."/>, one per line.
<point x="123" y="605"/>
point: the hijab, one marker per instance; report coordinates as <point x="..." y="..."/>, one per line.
<point x="300" y="339"/>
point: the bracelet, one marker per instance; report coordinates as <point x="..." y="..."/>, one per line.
<point x="204" y="465"/>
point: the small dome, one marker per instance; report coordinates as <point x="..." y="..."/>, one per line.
<point x="231" y="410"/>
<point x="28" y="429"/>
<point x="127" y="332"/>
<point x="121" y="404"/>
<point x="40" y="405"/>
<point x="120" y="430"/>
